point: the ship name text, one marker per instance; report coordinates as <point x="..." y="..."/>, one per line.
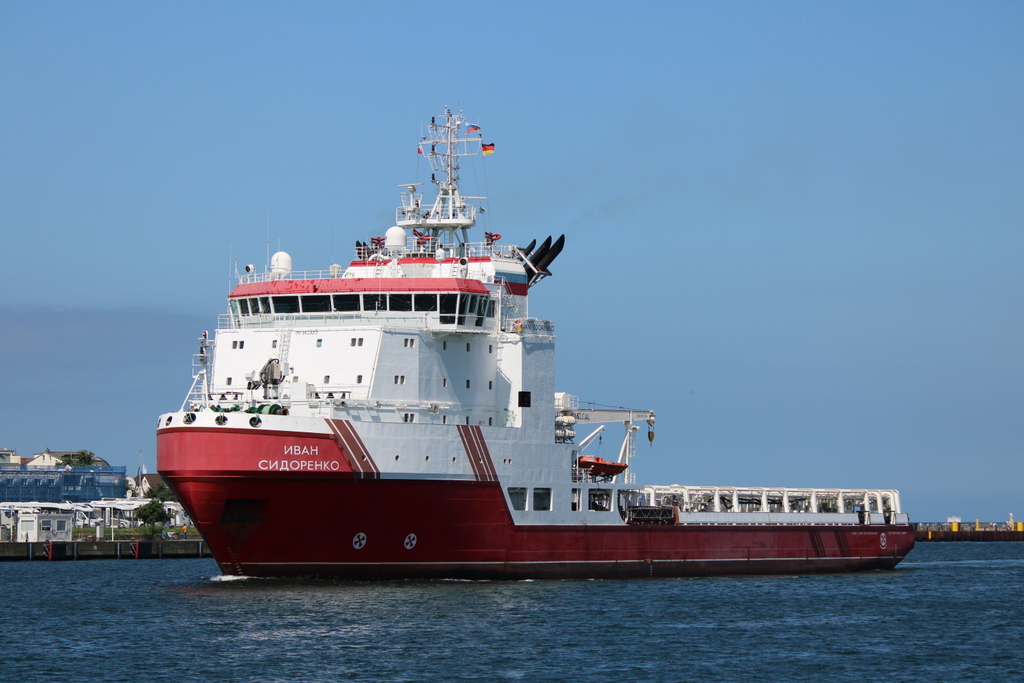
<point x="300" y="465"/>
<point x="301" y="450"/>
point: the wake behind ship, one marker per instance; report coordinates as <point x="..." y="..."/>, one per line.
<point x="398" y="418"/>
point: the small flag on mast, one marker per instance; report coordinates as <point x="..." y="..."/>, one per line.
<point x="472" y="128"/>
<point x="487" y="148"/>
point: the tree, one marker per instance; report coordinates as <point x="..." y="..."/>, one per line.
<point x="153" y="513"/>
<point x="80" y="459"/>
<point x="161" y="492"/>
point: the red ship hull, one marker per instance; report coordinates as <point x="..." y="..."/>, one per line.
<point x="348" y="524"/>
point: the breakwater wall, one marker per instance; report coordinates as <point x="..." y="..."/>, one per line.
<point x="103" y="550"/>
<point x="967" y="535"/>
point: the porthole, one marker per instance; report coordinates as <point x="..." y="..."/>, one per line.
<point x="396" y="458"/>
<point x="453" y="458"/>
<point x="255" y="422"/>
<point x="189" y="418"/>
<point x="427" y="458"/>
<point x="168" y="420"/>
<point x="221" y="420"/>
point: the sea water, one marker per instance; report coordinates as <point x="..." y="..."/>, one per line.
<point x="950" y="612"/>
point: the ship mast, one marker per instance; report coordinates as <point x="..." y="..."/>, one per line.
<point x="451" y="215"/>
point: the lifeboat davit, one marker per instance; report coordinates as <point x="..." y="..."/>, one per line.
<point x="599" y="467"/>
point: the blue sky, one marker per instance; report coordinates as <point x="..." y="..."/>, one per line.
<point x="793" y="229"/>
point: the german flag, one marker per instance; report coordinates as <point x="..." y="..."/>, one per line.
<point x="487" y="149"/>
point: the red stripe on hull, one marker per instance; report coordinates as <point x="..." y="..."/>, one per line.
<point x="337" y="524"/>
<point x="476" y="450"/>
<point x="353" y="448"/>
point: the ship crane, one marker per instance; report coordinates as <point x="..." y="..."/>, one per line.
<point x="570" y="414"/>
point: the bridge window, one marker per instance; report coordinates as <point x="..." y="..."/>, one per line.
<point x="346" y="302"/>
<point x="264" y="305"/>
<point x="449" y="306"/>
<point x="242" y="305"/>
<point x="375" y="302"/>
<point x="425" y="302"/>
<point x="542" y="499"/>
<point x="286" y="304"/>
<point x="321" y="303"/>
<point x="400" y="302"/>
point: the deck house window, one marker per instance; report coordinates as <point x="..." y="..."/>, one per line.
<point x="542" y="499"/>
<point x="599" y="500"/>
<point x="517" y="496"/>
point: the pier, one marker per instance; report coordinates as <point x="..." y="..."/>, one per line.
<point x="103" y="550"/>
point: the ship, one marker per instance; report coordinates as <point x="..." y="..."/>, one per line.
<point x="397" y="418"/>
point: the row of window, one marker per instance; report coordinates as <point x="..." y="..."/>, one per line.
<point x="407" y="342"/>
<point x="598" y="500"/>
<point x="449" y="306"/>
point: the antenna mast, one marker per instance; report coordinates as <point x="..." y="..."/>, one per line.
<point x="450" y="215"/>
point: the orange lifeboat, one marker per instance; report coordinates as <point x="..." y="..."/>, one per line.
<point x="599" y="467"/>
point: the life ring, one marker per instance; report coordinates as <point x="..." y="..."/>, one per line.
<point x="518" y="325"/>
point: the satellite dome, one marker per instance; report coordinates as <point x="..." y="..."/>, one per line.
<point x="280" y="265"/>
<point x="395" y="238"/>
